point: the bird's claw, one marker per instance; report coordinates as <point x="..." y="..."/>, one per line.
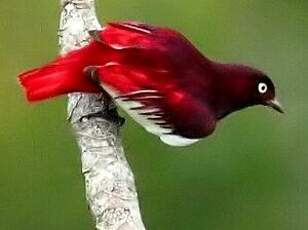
<point x="112" y="115"/>
<point x="108" y="114"/>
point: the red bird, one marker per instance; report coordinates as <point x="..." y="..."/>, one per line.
<point x="158" y="77"/>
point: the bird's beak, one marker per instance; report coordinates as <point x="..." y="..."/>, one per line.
<point x="275" y="104"/>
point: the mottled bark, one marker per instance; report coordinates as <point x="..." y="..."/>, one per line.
<point x="109" y="181"/>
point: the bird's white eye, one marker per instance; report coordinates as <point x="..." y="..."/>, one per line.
<point x="262" y="87"/>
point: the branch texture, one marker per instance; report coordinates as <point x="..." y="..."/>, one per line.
<point x="109" y="181"/>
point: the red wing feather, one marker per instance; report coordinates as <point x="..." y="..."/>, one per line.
<point x="126" y="35"/>
<point x="134" y="92"/>
<point x="135" y="27"/>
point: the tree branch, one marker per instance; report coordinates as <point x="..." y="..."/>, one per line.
<point x="109" y="181"/>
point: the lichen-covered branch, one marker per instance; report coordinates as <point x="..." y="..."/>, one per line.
<point x="109" y="181"/>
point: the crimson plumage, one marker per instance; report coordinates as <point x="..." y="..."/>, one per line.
<point x="158" y="77"/>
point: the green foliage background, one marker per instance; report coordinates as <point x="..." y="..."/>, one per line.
<point x="251" y="174"/>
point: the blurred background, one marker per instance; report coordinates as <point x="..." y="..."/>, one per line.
<point x="251" y="174"/>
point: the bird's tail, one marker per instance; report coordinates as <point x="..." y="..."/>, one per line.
<point x="62" y="76"/>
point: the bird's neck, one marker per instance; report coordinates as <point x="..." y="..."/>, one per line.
<point x="233" y="89"/>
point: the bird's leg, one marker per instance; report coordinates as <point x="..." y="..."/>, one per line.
<point x="110" y="112"/>
<point x="113" y="115"/>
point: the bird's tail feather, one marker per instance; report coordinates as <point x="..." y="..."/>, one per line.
<point x="62" y="76"/>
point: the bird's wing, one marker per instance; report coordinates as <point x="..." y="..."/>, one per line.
<point x="136" y="95"/>
<point x="133" y="26"/>
<point x="126" y="35"/>
<point x="145" y="103"/>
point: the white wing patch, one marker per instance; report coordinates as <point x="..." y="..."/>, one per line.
<point x="150" y="118"/>
<point x="145" y="117"/>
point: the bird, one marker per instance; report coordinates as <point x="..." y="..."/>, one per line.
<point x="157" y="76"/>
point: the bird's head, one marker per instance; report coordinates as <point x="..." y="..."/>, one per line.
<point x="262" y="89"/>
<point x="243" y="86"/>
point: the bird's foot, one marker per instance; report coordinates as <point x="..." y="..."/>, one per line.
<point x="110" y="114"/>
